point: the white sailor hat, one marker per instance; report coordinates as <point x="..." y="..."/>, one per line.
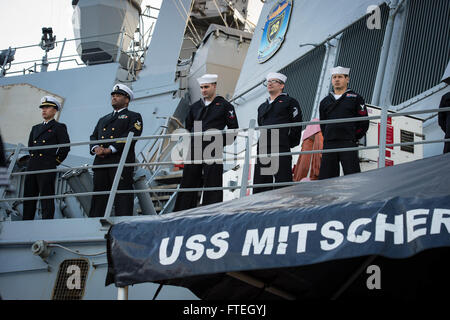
<point x="49" y="101"/>
<point x="340" y="70"/>
<point x="123" y="89"/>
<point x="207" y="78"/>
<point x="276" y="75"/>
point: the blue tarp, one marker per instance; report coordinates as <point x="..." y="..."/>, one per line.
<point x="393" y="213"/>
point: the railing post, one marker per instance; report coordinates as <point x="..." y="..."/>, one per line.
<point x="383" y="128"/>
<point x="60" y="54"/>
<point x="119" y="49"/>
<point x="11" y="167"/>
<point x="122" y="293"/>
<point x="248" y="151"/>
<point x="123" y="158"/>
<point x="161" y="143"/>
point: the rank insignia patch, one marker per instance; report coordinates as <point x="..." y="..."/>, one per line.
<point x="138" y="125"/>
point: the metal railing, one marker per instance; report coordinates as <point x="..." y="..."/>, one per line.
<point x="247" y="156"/>
<point x="31" y="66"/>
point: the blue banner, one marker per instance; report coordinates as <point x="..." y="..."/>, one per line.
<point x="194" y="245"/>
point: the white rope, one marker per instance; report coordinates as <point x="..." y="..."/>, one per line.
<point x="190" y="24"/>
<point x="220" y="13"/>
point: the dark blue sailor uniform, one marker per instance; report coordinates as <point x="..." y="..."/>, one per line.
<point x="217" y="115"/>
<point x="114" y="126"/>
<point x="284" y="109"/>
<point x="44" y="183"/>
<point x="341" y="135"/>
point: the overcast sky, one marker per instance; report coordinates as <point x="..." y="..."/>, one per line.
<point x="22" y="21"/>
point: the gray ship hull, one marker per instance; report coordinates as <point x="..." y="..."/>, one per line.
<point x="71" y="242"/>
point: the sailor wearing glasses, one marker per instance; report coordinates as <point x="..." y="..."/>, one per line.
<point x="279" y="108"/>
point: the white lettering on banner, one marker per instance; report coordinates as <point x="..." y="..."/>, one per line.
<point x="411" y="222"/>
<point x="262" y="241"/>
<point x="265" y="243"/>
<point x="163" y="258"/>
<point x="195" y="246"/>
<point x="331" y="234"/>
<point x="282" y="240"/>
<point x="364" y="236"/>
<point x="219" y="241"/>
<point x="302" y="230"/>
<point x="438" y="220"/>
<point x="194" y="243"/>
<point x="382" y="226"/>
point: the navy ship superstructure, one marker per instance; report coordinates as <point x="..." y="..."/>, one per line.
<point x="397" y="52"/>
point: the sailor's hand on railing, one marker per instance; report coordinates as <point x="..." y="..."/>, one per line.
<point x="106" y="151"/>
<point x="102" y="152"/>
<point x="98" y="151"/>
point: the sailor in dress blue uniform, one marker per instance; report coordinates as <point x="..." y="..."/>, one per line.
<point x="341" y="103"/>
<point x="279" y="108"/>
<point x="213" y="112"/>
<point x="49" y="132"/>
<point x="116" y="124"/>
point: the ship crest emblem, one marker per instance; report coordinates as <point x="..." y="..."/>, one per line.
<point x="275" y="29"/>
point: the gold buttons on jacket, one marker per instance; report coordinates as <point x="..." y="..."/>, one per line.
<point x="103" y="137"/>
<point x="40" y="154"/>
<point x="35" y="141"/>
<point x="43" y="141"/>
<point x="112" y="129"/>
<point x="104" y="129"/>
<point x="112" y="137"/>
